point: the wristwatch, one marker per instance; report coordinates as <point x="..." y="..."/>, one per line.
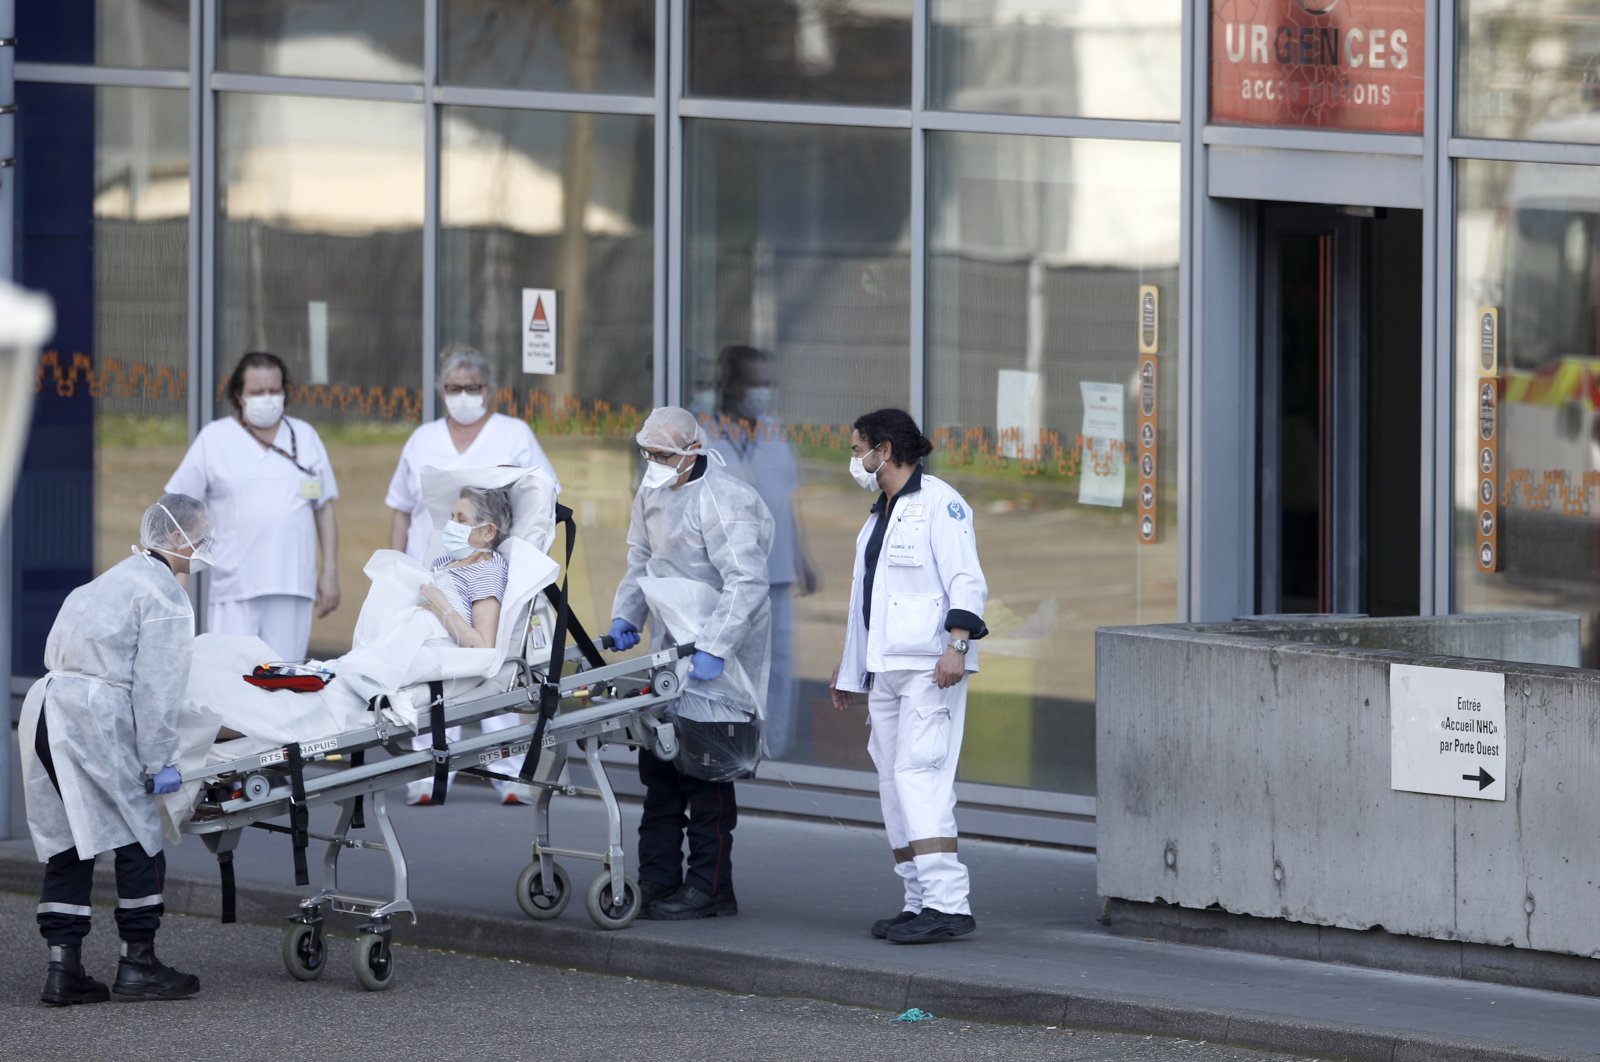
<point x="958" y="644"/>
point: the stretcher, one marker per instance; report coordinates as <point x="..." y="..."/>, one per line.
<point x="619" y="703"/>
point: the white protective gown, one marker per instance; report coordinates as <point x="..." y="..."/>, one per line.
<point x="503" y="441"/>
<point x="714" y="531"/>
<point x="118" y="656"/>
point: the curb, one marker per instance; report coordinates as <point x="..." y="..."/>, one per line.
<point x="786" y="975"/>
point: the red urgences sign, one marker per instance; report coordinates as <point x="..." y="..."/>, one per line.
<point x="1319" y="64"/>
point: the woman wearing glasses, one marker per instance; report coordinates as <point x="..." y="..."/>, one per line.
<point x="467" y="436"/>
<point x="266" y="480"/>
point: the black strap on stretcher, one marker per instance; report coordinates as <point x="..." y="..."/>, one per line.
<point x="550" y="690"/>
<point x="441" y="747"/>
<point x="298" y="830"/>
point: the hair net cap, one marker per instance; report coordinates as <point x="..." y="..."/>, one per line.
<point x="670" y="429"/>
<point x="173" y="513"/>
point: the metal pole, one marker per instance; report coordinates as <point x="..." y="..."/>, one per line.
<point x="8" y="182"/>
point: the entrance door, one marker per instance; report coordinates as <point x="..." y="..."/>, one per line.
<point x="1338" y="477"/>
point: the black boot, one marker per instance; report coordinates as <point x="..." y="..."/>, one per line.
<point x="140" y="975"/>
<point x="65" y="982"/>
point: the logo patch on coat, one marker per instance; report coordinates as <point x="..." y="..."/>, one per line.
<point x="956" y="511"/>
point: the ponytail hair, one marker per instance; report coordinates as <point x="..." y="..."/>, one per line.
<point x="894" y="426"/>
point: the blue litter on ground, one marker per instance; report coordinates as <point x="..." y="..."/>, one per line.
<point x="914" y="1014"/>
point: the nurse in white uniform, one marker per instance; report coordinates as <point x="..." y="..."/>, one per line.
<point x="266" y="480"/>
<point x="916" y="611"/>
<point x="469" y="435"/>
<point x="752" y="444"/>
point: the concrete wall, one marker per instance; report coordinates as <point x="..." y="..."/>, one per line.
<point x="1246" y="768"/>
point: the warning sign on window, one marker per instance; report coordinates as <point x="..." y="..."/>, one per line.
<point x="539" y="331"/>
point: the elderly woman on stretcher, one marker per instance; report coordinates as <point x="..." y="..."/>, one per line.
<point x="469" y="581"/>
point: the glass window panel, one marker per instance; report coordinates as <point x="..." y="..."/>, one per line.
<point x="556" y="46"/>
<point x="1038" y="249"/>
<point x="103" y="228"/>
<point x="363" y="40"/>
<point x="320" y="212"/>
<point x="1528" y="247"/>
<point x="832" y="51"/>
<point x="565" y="201"/>
<point x="135" y="33"/>
<point x="1530" y="69"/>
<point x="1093" y="59"/>
<point x="796" y="242"/>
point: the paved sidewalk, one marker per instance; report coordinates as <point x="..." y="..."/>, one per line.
<point x="808" y="892"/>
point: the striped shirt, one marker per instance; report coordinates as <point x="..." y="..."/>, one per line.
<point x="468" y="584"/>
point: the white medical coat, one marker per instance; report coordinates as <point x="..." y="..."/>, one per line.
<point x="262" y="507"/>
<point x="118" y="656"/>
<point x="928" y="565"/>
<point x="503" y="441"/>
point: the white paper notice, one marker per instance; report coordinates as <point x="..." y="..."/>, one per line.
<point x="1102" y="479"/>
<point x="539" y="331"/>
<point x="317" y="340"/>
<point x="1018" y="402"/>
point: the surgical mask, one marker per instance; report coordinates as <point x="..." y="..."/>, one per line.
<point x="263" y="411"/>
<point x="864" y="479"/>
<point x="458" y="539"/>
<point x="657" y="475"/>
<point x="465" y="408"/>
<point x="756" y="403"/>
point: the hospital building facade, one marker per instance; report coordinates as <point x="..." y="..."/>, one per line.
<point x="1212" y="309"/>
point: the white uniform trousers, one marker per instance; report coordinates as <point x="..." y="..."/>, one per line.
<point x="283" y="621"/>
<point x="915" y="743"/>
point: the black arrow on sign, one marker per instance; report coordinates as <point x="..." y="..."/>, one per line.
<point x="1483" y="778"/>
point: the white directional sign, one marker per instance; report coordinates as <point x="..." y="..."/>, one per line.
<point x="539" y="331"/>
<point x="1447" y="731"/>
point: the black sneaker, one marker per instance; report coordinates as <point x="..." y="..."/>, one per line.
<point x="650" y="892"/>
<point x="931" y="926"/>
<point x="880" y="928"/>
<point x="689" y="902"/>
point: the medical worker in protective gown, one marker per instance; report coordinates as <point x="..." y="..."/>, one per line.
<point x="692" y="522"/>
<point x="100" y="723"/>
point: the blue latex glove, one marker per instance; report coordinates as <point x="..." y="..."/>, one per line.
<point x="703" y="666"/>
<point x="166" y="781"/>
<point x="624" y="635"/>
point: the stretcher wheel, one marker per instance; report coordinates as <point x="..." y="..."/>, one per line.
<point x="531" y="896"/>
<point x="257" y="787"/>
<point x="664" y="681"/>
<point x="305" y="955"/>
<point x="374" y="962"/>
<point x="606" y="912"/>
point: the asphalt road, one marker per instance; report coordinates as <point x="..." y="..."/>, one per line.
<point x="446" y="1005"/>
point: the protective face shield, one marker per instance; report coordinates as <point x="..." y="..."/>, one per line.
<point x="199" y="557"/>
<point x="458" y="539"/>
<point x="263" y="411"/>
<point x="464" y="408"/>
<point x="864" y="479"/>
<point x="658" y="475"/>
<point x="756" y="403"/>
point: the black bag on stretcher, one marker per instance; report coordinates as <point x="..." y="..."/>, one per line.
<point x="719" y="739"/>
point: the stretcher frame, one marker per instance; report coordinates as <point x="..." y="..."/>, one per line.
<point x="618" y="703"/>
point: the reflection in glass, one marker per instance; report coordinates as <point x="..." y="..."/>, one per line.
<point x="1092" y="59"/>
<point x="135" y="33"/>
<point x="796" y="242"/>
<point x="535" y="199"/>
<point x="367" y="40"/>
<point x="1530" y="69"/>
<point x="606" y="46"/>
<point x="833" y="51"/>
<point x="1037" y="251"/>
<point x="1528" y="245"/>
<point x="102" y="227"/>
<point x="320" y="210"/>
